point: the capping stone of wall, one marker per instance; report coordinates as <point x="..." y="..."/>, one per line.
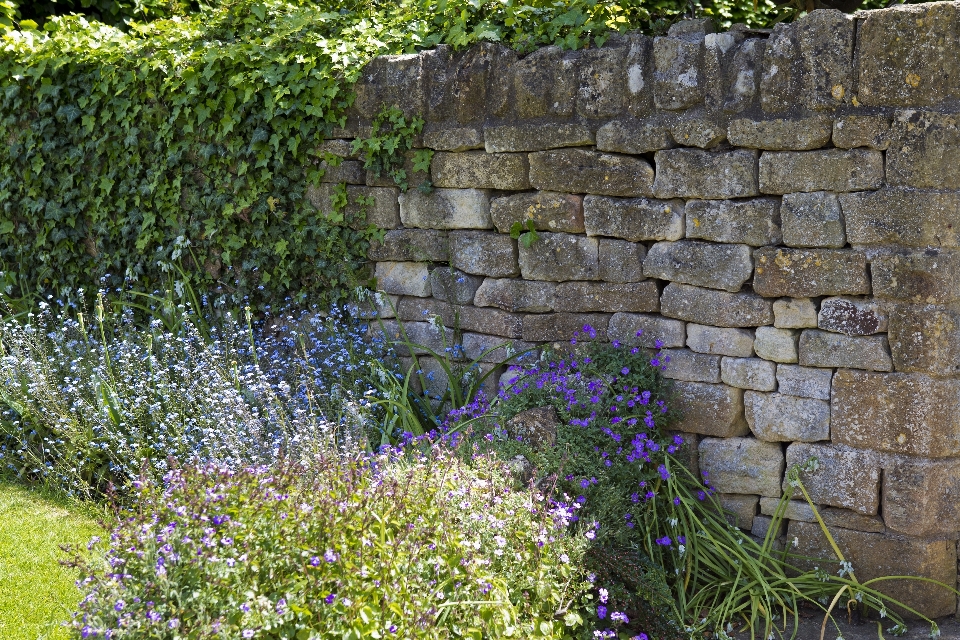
<point x="781" y="211"/>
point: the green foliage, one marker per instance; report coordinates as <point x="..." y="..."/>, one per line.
<point x="390" y="142"/>
<point x="525" y="233"/>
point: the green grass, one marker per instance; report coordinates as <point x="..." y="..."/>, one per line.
<point x="37" y="594"/>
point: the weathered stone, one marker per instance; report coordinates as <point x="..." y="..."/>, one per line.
<point x="634" y="219"/>
<point x="582" y="297"/>
<point x="744" y="77"/>
<point x="538" y="427"/>
<point x="455" y="139"/>
<point x="393" y="81"/>
<point x="908" y="56"/>
<point x="711" y="410"/>
<point x="824" y="349"/>
<point x="454" y="286"/>
<point x="474" y="83"/>
<point x="925" y="339"/>
<point x="719" y="72"/>
<point x="549" y="327"/>
<point x="677" y="81"/>
<point x="547" y="210"/>
<point x="812" y="220"/>
<point x="536" y="137"/>
<point x="805" y="382"/>
<point x="742" y="465"/>
<point x="446" y="209"/>
<point x="411" y="245"/>
<point x="479" y="170"/>
<point x="413" y="309"/>
<point x="545" y="84"/>
<point x="852" y="317"/>
<point x="645" y="331"/>
<point x="403" y="278"/>
<point x="924" y="151"/>
<point x="822" y="170"/>
<point x="741" y="510"/>
<point x="724" y="342"/>
<point x="639" y="75"/>
<point x="826" y="49"/>
<point x="379" y="305"/>
<point x="902" y="217"/>
<point x="484" y="254"/>
<point x="348" y="171"/>
<point x="761" y="529"/>
<point x="692" y="173"/>
<point x="601" y="91"/>
<point x="804" y="273"/>
<point x="780" y="82"/>
<point x="907" y="413"/>
<point x="777" y="345"/>
<point x="483" y="348"/>
<point x="920" y="497"/>
<point x="928" y="277"/>
<point x="753" y="222"/>
<point x="794" y="313"/>
<point x="637" y="137"/>
<point x="418" y="337"/>
<point x="621" y="260"/>
<point x="690" y="366"/>
<point x="718" y="308"/>
<point x="337" y="147"/>
<point x="516" y="295"/>
<point x="491" y="321"/>
<point x="832" y="517"/>
<point x="775" y="417"/>
<point x="582" y="171"/>
<point x="428" y="377"/>
<point x="557" y="257"/>
<point x="843" y="477"/>
<point x="871" y="131"/>
<point x="798" y="134"/>
<point x="383" y="213"/>
<point x="697" y="131"/>
<point x="691" y="29"/>
<point x="704" y="264"/>
<point x="874" y="555"/>
<point x="749" y="373"/>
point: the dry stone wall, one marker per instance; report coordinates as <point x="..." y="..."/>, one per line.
<point x="781" y="209"/>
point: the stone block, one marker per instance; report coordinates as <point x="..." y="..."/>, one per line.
<point x="708" y="175"/>
<point x="379" y="305"/>
<point x="337" y="147"/>
<point x="446" y="209"/>
<point x="718" y="308"/>
<point x="782" y="70"/>
<point x="636" y="137"/>
<point x="753" y="222"/>
<point x="633" y="219"/>
<point x="383" y="212"/>
<point x="719" y="68"/>
<point x="924" y="151"/>
<point x="794" y="313"/>
<point x="725" y="342"/>
<point x="639" y="75"/>
<point x="741" y="510"/>
<point x="621" y="260"/>
<point x="812" y="220"/>
<point x="480" y="79"/>
<point x="454" y="286"/>
<point x="582" y="171"/>
<point x="826" y="49"/>
<point x="697" y="130"/>
<point x="601" y="90"/>
<point x="774" y="417"/>
<point x="843" y="477"/>
<point x="709" y="409"/>
<point x="516" y="295"/>
<point x="393" y="81"/>
<point x="484" y="348"/>
<point x="925" y="339"/>
<point x="743" y="86"/>
<point x="749" y="373"/>
<point x="776" y="345"/>
<point x="484" y="254"/>
<point x="584" y="297"/>
<point x="411" y="245"/>
<point x="761" y="528"/>
<point x="491" y="321"/>
<point x="805" y="273"/>
<point x="416" y="337"/>
<point x="561" y="327"/>
<point x="805" y="382"/>
<point x="905" y="57"/>
<point x="874" y="555"/>
<point x="852" y="316"/>
<point x="832" y="516"/>
<point x="557" y="257"/>
<point x="479" y="170"/>
<point x="537" y="427"/>
<point x="872" y="131"/>
<point x="453" y="139"/>
<point x="413" y="309"/>
<point x="403" y="278"/>
<point x="536" y="137"/>
<point x="545" y="84"/>
<point x="691" y="366"/>
<point x="905" y="217"/>
<point x="348" y="171"/>
<point x="704" y="264"/>
<point x="781" y="134"/>
<point x="822" y="170"/>
<point x="549" y="211"/>
<point x="928" y="277"/>
<point x="920" y="497"/>
<point x="677" y="80"/>
<point x="645" y="331"/>
<point x="427" y="377"/>
<point x="743" y="465"/>
<point x="825" y="349"/>
<point x="908" y="413"/>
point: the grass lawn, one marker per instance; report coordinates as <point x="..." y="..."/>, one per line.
<point x="36" y="593"/>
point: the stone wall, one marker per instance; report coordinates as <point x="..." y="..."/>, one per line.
<point x="781" y="209"/>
